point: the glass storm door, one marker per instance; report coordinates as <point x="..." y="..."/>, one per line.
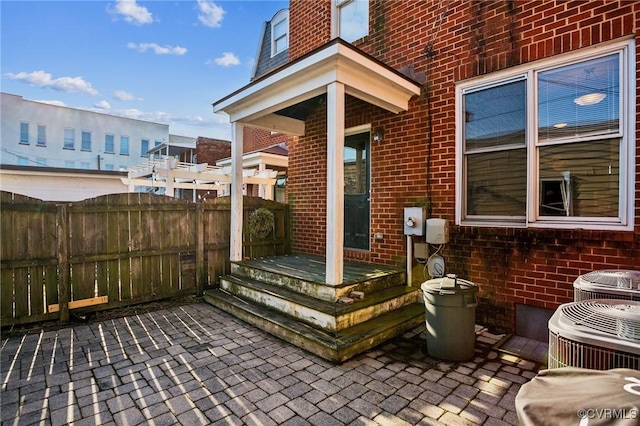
<point x="356" y="191"/>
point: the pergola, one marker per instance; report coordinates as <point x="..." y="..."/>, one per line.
<point x="281" y="100"/>
<point x="171" y="174"/>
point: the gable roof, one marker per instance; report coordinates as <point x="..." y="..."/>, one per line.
<point x="273" y="102"/>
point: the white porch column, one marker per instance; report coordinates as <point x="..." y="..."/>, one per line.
<point x="261" y="187"/>
<point x="335" y="183"/>
<point x="236" y="191"/>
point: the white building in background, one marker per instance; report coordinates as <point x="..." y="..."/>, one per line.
<point x="56" y="153"/>
<point x="40" y="134"/>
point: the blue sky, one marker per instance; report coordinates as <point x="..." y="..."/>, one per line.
<point x="162" y="61"/>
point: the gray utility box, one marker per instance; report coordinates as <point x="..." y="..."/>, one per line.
<point x="450" y="315"/>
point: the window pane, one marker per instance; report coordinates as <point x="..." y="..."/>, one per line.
<point x="497" y="183"/>
<point x="281" y="44"/>
<point x="354" y="20"/>
<point x="495" y="116"/>
<point x="580" y="179"/>
<point x="144" y="147"/>
<point x="280" y="29"/>
<point x="580" y="99"/>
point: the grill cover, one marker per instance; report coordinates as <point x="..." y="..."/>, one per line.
<point x="578" y="396"/>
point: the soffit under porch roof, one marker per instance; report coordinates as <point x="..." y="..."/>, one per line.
<point x="281" y="100"/>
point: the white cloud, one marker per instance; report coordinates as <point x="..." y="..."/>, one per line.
<point x="124" y="96"/>
<point x="56" y="103"/>
<point x="210" y="13"/>
<point x="132" y="12"/>
<point x="157" y="49"/>
<point x="168" y="118"/>
<point x="227" y="59"/>
<point x="64" y="84"/>
<point x="102" y="105"/>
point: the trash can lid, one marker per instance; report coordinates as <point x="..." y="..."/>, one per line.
<point x="449" y="284"/>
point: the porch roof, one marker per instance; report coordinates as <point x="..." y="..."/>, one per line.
<point x="277" y="101"/>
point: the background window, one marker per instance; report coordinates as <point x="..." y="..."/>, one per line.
<point x="69" y="138"/>
<point x="86" y="141"/>
<point x="24" y="133"/>
<point x="144" y="147"/>
<point x="42" y="135"/>
<point x="109" y="145"/>
<point x="69" y="164"/>
<point x="124" y="145"/>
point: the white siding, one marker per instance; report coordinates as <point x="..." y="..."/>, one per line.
<point x="56" y="119"/>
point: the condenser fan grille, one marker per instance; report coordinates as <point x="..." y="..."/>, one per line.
<point x="608" y="284"/>
<point x="614" y="318"/>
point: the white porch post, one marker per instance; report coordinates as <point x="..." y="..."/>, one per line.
<point x="335" y="183"/>
<point x="236" y="191"/>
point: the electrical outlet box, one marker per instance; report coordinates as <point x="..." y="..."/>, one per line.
<point x="421" y="250"/>
<point x="437" y="231"/>
<point x="414" y="220"/>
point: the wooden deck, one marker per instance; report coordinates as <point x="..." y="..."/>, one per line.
<point x="313" y="268"/>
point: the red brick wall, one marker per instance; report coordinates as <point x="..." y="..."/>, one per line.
<point x="211" y="150"/>
<point x="256" y="139"/>
<point x="414" y="164"/>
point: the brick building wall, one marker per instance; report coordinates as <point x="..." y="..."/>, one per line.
<point x="443" y="43"/>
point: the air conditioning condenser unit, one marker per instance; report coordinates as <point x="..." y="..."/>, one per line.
<point x="598" y="334"/>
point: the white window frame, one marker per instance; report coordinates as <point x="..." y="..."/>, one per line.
<point x="625" y="220"/>
<point x="336" y="7"/>
<point x="282" y="16"/>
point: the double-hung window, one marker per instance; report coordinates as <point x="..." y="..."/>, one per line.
<point x="280" y="32"/>
<point x="550" y="144"/>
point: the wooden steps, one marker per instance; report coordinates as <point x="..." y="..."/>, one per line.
<point x="286" y="297"/>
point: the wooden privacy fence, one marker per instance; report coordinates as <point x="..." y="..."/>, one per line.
<point x="117" y="250"/>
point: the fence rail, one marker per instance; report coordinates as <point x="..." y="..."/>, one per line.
<point x="116" y="250"/>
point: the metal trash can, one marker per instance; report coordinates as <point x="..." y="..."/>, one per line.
<point x="450" y="315"/>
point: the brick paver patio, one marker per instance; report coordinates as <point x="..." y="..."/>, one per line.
<point x="195" y="364"/>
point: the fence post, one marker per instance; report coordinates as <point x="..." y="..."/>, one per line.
<point x="200" y="275"/>
<point x="62" y="244"/>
